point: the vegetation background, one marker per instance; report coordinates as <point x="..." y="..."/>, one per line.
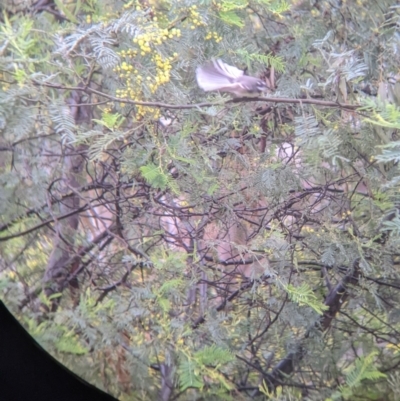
<point x="169" y="244"/>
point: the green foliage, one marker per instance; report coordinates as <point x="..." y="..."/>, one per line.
<point x="64" y="124"/>
<point x="390" y="153"/>
<point x="383" y="114"/>
<point x="392" y="225"/>
<point x="231" y="18"/>
<point x="68" y="344"/>
<point x="110" y="120"/>
<point x="276" y="7"/>
<point x="157" y="178"/>
<point x="362" y="370"/>
<point x="269" y="60"/>
<point x="20" y="40"/>
<point x="71" y="16"/>
<point x="304" y="295"/>
<point x="203" y="366"/>
<point x="228" y="5"/>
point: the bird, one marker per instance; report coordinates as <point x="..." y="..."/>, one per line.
<point x="219" y="76"/>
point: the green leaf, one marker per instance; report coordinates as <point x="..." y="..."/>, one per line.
<point x="304" y="295"/>
<point x="361" y="370"/>
<point x="154" y="176"/>
<point x="231" y="18"/>
<point x="111" y="120"/>
<point x="164" y="303"/>
<point x="64" y="9"/>
<point x="171" y="285"/>
<point x="70" y="345"/>
<point x="269" y="60"/>
<point x="189" y="375"/>
<point x="214" y="355"/>
<point x="228" y="5"/>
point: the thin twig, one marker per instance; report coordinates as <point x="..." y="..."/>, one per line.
<point x="323" y="103"/>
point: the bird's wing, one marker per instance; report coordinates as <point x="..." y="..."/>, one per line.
<point x="217" y="76"/>
<point x="228" y="69"/>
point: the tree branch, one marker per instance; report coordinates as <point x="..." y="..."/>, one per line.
<point x="323" y="103"/>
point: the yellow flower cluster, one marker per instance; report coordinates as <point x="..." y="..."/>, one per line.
<point x="141" y="111"/>
<point x="163" y="69"/>
<point x="213" y="35"/>
<point x="155" y="36"/>
<point x="134" y="92"/>
<point x="162" y="76"/>
<point x="150" y="112"/>
<point x="159" y="74"/>
<point x="130" y="53"/>
<point x="128" y="5"/>
<point x="194" y="17"/>
<point x="125" y="69"/>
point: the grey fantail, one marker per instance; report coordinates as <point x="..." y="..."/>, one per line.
<point x="218" y="76"/>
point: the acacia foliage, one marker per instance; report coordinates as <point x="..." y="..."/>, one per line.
<point x="168" y="244"/>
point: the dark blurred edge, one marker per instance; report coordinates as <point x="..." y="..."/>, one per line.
<point x="28" y="372"/>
